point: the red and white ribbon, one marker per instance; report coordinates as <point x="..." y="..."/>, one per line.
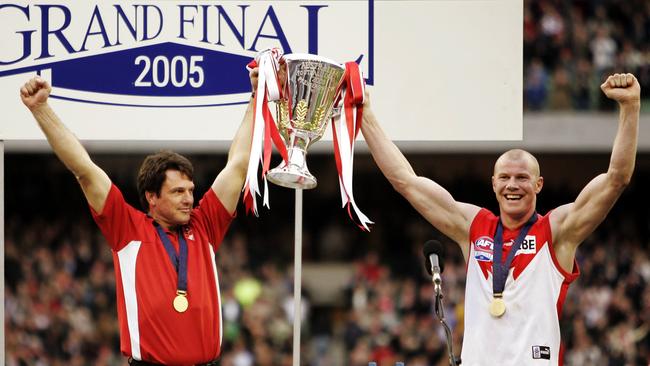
<point x="265" y="130"/>
<point x="345" y="131"/>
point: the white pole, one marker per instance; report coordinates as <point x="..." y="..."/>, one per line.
<point x="297" y="277"/>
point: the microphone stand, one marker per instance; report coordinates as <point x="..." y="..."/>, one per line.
<point x="440" y="313"/>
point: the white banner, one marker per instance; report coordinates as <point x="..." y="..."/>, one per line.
<point x="175" y="70"/>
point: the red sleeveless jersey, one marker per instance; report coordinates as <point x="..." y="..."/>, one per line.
<point x="529" y="331"/>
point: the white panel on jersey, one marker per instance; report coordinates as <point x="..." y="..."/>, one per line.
<point x="127" y="257"/>
<point x="216" y="281"/>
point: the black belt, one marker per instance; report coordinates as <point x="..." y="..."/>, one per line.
<point x="133" y="362"/>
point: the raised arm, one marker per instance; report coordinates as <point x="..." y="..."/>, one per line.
<point x="229" y="182"/>
<point x="430" y="199"/>
<point x="572" y="223"/>
<point x="93" y="180"/>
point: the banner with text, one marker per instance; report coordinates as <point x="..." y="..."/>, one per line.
<point x="175" y="70"/>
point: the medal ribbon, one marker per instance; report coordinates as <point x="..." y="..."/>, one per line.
<point x="178" y="261"/>
<point x="500" y="269"/>
<point x="344" y="132"/>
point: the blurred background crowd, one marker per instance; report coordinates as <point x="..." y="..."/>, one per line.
<point x="60" y="284"/>
<point x="569" y="46"/>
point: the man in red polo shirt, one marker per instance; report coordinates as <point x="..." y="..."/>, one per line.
<point x="167" y="285"/>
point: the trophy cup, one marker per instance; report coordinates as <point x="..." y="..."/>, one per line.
<point x="311" y="89"/>
<point x="307" y="92"/>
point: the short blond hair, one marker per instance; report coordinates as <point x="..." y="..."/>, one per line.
<point x="519" y="154"/>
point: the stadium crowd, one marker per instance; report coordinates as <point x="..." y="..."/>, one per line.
<point x="570" y="46"/>
<point x="60" y="285"/>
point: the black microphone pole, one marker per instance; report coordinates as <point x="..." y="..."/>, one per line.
<point x="434" y="255"/>
<point x="440" y="313"/>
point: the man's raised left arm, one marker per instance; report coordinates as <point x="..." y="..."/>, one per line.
<point x="572" y="223"/>
<point x="229" y="182"/>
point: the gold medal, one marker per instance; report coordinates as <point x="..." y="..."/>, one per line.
<point x="180" y="301"/>
<point x="497" y="306"/>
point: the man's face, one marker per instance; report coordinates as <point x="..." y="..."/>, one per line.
<point x="516" y="184"/>
<point x="173" y="206"/>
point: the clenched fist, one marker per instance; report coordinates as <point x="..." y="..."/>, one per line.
<point x="623" y="88"/>
<point x="35" y="93"/>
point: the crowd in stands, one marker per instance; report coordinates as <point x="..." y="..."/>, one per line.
<point x="571" y="46"/>
<point x="60" y="284"/>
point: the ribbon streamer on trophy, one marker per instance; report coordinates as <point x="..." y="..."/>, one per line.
<point x="307" y="91"/>
<point x="264" y="128"/>
<point x="352" y="95"/>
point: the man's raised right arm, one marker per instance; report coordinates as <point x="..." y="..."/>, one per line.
<point x="430" y="199"/>
<point x="94" y="182"/>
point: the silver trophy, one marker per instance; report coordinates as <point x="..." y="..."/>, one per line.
<point x="311" y="89"/>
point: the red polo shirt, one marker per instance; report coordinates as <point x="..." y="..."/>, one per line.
<point x="150" y="328"/>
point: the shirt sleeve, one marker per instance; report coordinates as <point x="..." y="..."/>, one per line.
<point x="118" y="220"/>
<point x="214" y="217"/>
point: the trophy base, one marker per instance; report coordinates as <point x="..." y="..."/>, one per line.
<point x="291" y="178"/>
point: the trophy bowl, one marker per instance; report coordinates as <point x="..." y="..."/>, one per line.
<point x="310" y="90"/>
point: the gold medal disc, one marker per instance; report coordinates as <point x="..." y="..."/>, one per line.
<point x="180" y="303"/>
<point x="497" y="307"/>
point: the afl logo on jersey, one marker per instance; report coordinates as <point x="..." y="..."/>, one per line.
<point x="483" y="247"/>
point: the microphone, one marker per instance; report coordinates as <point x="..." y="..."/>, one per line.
<point x="434" y="254"/>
